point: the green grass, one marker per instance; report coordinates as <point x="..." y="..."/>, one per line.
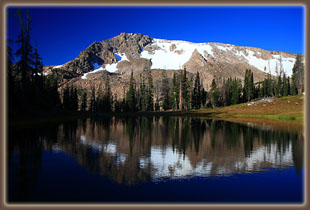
<point x="273" y="117"/>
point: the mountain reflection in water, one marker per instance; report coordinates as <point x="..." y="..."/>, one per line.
<point x="135" y="150"/>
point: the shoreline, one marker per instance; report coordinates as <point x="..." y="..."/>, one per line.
<point x="286" y="109"/>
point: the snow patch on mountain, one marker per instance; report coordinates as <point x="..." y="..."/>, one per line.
<point x="57" y="67"/>
<point x="222" y="48"/>
<point x="272" y="65"/>
<point x="113" y="67"/>
<point x="164" y="58"/>
<point x="109" y="67"/>
<point x="91" y="72"/>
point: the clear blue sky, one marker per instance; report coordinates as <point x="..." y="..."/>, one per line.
<point x="62" y="32"/>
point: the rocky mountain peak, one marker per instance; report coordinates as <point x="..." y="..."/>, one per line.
<point x="126" y="52"/>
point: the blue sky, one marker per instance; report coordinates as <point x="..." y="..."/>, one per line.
<point x="62" y="32"/>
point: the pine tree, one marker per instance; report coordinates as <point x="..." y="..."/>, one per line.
<point x="157" y="106"/>
<point x="26" y="58"/>
<point x="251" y="86"/>
<point x="124" y="104"/>
<point x="107" y="98"/>
<point x="265" y="88"/>
<point x="278" y="89"/>
<point x="204" y="96"/>
<point x="214" y="94"/>
<point x="259" y="91"/>
<point x="298" y="75"/>
<point x="293" y="86"/>
<point x="175" y="92"/>
<point x="196" y="95"/>
<point x="99" y="101"/>
<point x="185" y="102"/>
<point x="142" y="94"/>
<point x="190" y="82"/>
<point x="93" y="100"/>
<point x="38" y="66"/>
<point x="246" y="86"/>
<point x="56" y="102"/>
<point x="165" y="90"/>
<point x="66" y="98"/>
<point x="12" y="88"/>
<point x="73" y="99"/>
<point x="285" y="86"/>
<point x="270" y="91"/>
<point x="227" y="92"/>
<point x="131" y="95"/>
<point x="37" y="77"/>
<point x="236" y="91"/>
<point x="288" y="86"/>
<point x="84" y="102"/>
<point x="150" y="96"/>
<point x="248" y="89"/>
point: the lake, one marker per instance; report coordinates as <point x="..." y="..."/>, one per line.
<point x="154" y="160"/>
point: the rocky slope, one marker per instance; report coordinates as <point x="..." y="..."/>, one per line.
<point x="118" y="56"/>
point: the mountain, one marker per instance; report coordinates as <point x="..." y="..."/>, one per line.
<point x="118" y="56"/>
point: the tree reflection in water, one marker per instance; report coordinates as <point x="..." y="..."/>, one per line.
<point x="139" y="149"/>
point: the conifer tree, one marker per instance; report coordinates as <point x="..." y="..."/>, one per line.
<point x="248" y="89"/>
<point x="49" y="95"/>
<point x="131" y="95"/>
<point x="204" y="96"/>
<point x="165" y="90"/>
<point x="37" y="62"/>
<point x="259" y="91"/>
<point x="107" y="98"/>
<point x="73" y="99"/>
<point x="99" y="100"/>
<point x="251" y="86"/>
<point x="236" y="91"/>
<point x="84" y="102"/>
<point x="293" y="87"/>
<point x="37" y="79"/>
<point x="278" y="87"/>
<point x="185" y="102"/>
<point x="66" y="98"/>
<point x="214" y="94"/>
<point x="196" y="95"/>
<point x="142" y="94"/>
<point x="246" y="86"/>
<point x="175" y="92"/>
<point x="288" y="86"/>
<point x="26" y="58"/>
<point x="93" y="100"/>
<point x="11" y="80"/>
<point x="150" y="95"/>
<point x="285" y="86"/>
<point x="227" y="90"/>
<point x="298" y="75"/>
<point x="265" y="88"/>
<point x="157" y="106"/>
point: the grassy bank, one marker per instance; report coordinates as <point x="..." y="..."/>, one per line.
<point x="290" y="108"/>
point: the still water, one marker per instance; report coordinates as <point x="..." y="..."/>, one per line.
<point x="155" y="159"/>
